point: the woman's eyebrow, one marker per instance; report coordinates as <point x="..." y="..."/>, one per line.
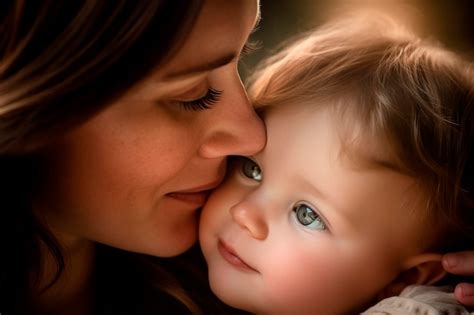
<point x="203" y="67"/>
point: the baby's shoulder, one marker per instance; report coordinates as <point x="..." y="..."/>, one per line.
<point x="418" y="299"/>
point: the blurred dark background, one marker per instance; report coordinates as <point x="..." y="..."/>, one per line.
<point x="450" y="22"/>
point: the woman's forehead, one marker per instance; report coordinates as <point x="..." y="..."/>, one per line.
<point x="216" y="39"/>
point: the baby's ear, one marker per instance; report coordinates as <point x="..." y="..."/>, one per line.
<point x="423" y="269"/>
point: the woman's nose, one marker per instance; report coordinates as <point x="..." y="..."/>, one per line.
<point x="233" y="129"/>
<point x="250" y="218"/>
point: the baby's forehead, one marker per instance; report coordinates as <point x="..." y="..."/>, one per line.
<point x="362" y="144"/>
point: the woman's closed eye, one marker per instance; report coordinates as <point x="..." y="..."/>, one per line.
<point x="207" y="101"/>
<point x="306" y="216"/>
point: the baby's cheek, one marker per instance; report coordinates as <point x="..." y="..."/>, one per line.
<point x="288" y="292"/>
<point x="302" y="283"/>
<point x="215" y="206"/>
<point x="215" y="213"/>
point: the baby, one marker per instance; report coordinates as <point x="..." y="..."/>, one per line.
<point x="365" y="180"/>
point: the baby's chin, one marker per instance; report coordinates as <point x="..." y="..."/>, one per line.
<point x="245" y="303"/>
<point x="234" y="299"/>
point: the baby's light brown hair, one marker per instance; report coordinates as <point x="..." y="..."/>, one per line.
<point x="414" y="95"/>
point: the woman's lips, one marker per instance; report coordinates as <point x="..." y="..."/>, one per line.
<point x="231" y="257"/>
<point x="195" y="198"/>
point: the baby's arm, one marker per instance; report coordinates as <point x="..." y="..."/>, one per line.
<point x="461" y="263"/>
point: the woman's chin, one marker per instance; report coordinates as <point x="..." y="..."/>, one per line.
<point x="177" y="242"/>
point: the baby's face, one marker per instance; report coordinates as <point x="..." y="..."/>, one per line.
<point x="300" y="228"/>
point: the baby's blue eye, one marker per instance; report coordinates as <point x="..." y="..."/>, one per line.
<point x="251" y="170"/>
<point x="308" y="217"/>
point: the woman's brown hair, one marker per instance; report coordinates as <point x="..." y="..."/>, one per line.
<point x="61" y="62"/>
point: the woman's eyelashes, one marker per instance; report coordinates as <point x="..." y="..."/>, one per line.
<point x="251" y="170"/>
<point x="207" y="101"/>
<point x="308" y="217"/>
<point x="212" y="96"/>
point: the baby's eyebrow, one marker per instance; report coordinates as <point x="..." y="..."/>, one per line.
<point x="379" y="164"/>
<point x="366" y="160"/>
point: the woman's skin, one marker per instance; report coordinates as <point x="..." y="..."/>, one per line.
<point x="133" y="176"/>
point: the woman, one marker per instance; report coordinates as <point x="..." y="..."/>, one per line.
<point x="115" y="121"/>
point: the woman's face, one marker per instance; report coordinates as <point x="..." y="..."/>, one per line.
<point x="134" y="176"/>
